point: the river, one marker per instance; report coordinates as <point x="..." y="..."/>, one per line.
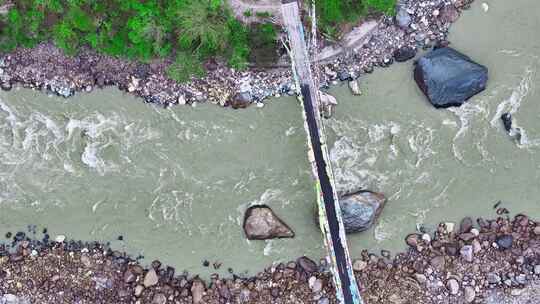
<point x="174" y="183"/>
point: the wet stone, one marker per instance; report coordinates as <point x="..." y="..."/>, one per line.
<point x="504" y="241"/>
<point x="307" y="265"/>
<point x="465" y="225"/>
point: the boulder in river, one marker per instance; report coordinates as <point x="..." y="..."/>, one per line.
<point x="449" y="78"/>
<point x="507" y="121"/>
<point x="359" y="210"/>
<point x="261" y="223"/>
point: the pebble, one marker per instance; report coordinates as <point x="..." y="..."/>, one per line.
<point x="151" y="278"/>
<point x="485" y="7"/>
<point x="138" y="290"/>
<point x="359" y="265"/>
<point x="85" y="260"/>
<point x="412" y="240"/>
<point x="476" y="246"/>
<point x="197" y="291"/>
<point x="159" y="298"/>
<point x="493" y="278"/>
<point x="465" y="225"/>
<point x="537" y="230"/>
<point x="315" y="284"/>
<point x="60" y="238"/>
<point x="469" y="294"/>
<point x="505" y="241"/>
<point x="516" y="292"/>
<point x="129" y="276"/>
<point x="420" y="278"/>
<point x="467" y="253"/>
<point x="307" y="264"/>
<point x="537" y="269"/>
<point x="449" y="227"/>
<point x="453" y="286"/>
<point x="324" y="301"/>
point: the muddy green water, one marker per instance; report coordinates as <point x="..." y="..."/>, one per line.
<point x="175" y="182"/>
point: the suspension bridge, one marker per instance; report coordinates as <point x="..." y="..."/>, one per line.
<point x="331" y="222"/>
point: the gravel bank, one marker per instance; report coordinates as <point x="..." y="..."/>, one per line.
<point x="418" y="25"/>
<point x="475" y="261"/>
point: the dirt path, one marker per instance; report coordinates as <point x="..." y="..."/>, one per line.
<point x="273" y="7"/>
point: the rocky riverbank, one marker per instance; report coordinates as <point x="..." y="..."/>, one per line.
<point x="474" y="261"/>
<point x="418" y="25"/>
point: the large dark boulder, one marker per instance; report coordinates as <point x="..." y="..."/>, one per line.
<point x="449" y="78"/>
<point x="359" y="210"/>
<point x="261" y="223"/>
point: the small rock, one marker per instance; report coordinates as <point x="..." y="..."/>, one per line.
<point x="449" y="14"/>
<point x="453" y="286"/>
<point x="403" y="18"/>
<point x="6" y="85"/>
<point x="323" y="301"/>
<point x="537" y="230"/>
<point x="469" y="294"/>
<point x="261" y="223"/>
<point x="521" y="279"/>
<point x="516" y="291"/>
<point x="465" y="225"/>
<point x="151" y="278"/>
<point x="241" y="100"/>
<point x="307" y="265"/>
<point x="359" y="265"/>
<point x="129" y="276"/>
<point x="197" y="291"/>
<point x="449" y="227"/>
<point x="493" y="278"/>
<point x="60" y="238"/>
<point x="467" y="236"/>
<point x="159" y="298"/>
<point x="505" y="241"/>
<point x="404" y="54"/>
<point x="181" y="100"/>
<point x="467" y="253"/>
<point x="85" y="260"/>
<point x="412" y="240"/>
<point x="485" y="7"/>
<point x="315" y="284"/>
<point x="477" y="247"/>
<point x="138" y="290"/>
<point x="420" y="278"/>
<point x="438" y="262"/>
<point x="355" y="88"/>
<point x="537" y="269"/>
<point x="344" y="75"/>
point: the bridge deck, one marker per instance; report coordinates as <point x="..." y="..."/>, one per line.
<point x="329" y="211"/>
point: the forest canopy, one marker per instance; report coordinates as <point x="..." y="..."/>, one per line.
<point x="190" y="30"/>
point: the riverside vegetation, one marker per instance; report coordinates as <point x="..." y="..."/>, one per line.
<point x="187" y="31"/>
